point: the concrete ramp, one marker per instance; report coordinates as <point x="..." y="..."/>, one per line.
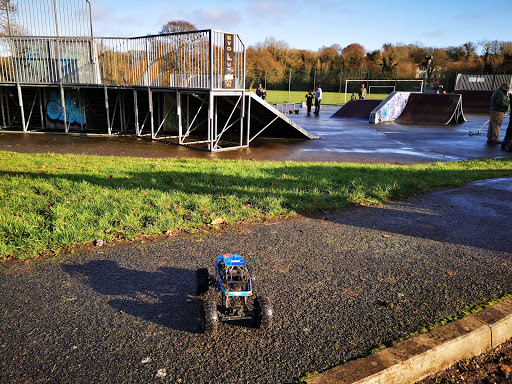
<point x="266" y="121"/>
<point x="432" y="109"/>
<point x="475" y="102"/>
<point x="357" y="109"/>
<point x="390" y="108"/>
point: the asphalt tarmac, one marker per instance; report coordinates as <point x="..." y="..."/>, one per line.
<point x="340" y="141"/>
<point x="341" y="284"/>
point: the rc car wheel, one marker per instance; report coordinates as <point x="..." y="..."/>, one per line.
<point x="202" y="280"/>
<point x="209" y="317"/>
<point x="264" y="313"/>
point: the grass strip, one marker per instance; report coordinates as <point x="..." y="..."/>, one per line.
<point x="328" y="98"/>
<point x="52" y="201"/>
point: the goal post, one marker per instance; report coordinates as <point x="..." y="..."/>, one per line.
<point x="394" y="84"/>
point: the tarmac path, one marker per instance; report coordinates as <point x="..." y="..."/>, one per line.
<point x="341" y="284"/>
<point x="340" y="141"/>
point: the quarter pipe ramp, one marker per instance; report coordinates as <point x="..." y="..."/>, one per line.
<point x="432" y="109"/>
<point x="357" y="109"/>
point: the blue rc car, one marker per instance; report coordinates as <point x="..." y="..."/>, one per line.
<point x="233" y="281"/>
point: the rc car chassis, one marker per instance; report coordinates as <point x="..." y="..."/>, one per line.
<point x="233" y="281"/>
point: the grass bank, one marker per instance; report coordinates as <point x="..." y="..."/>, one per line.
<point x="51" y="201"/>
<point x="328" y="98"/>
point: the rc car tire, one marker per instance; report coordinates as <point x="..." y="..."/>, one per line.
<point x="202" y="280"/>
<point x="264" y="312"/>
<point x="209" y="317"/>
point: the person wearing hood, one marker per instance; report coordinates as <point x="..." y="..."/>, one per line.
<point x="500" y="101"/>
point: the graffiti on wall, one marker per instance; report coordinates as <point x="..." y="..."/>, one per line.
<point x="392" y="109"/>
<point x="75" y="113"/>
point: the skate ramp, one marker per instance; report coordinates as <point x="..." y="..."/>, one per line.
<point x="432" y="109"/>
<point x="357" y="109"/>
<point x="475" y="102"/>
<point x="266" y="121"/>
<point x="390" y="108"/>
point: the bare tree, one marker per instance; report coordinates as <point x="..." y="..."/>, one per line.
<point x="9" y="23"/>
<point x="174" y="26"/>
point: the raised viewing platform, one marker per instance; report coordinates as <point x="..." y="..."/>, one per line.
<point x="186" y="87"/>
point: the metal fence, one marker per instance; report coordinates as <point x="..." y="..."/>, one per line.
<point x="48" y="17"/>
<point x="334" y="81"/>
<point x="183" y="60"/>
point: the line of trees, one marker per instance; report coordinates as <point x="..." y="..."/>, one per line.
<point x="277" y="65"/>
<point x="274" y="62"/>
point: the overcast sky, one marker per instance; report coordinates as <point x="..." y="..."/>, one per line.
<point x="316" y="23"/>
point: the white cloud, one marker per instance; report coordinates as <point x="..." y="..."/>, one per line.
<point x="218" y="18"/>
<point x="432" y="34"/>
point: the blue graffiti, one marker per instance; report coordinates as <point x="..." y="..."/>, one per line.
<point x="75" y="114"/>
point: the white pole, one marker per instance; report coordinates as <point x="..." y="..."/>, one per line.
<point x="339" y="92"/>
<point x="289" y="84"/>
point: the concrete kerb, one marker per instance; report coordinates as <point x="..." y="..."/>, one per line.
<point x="428" y="353"/>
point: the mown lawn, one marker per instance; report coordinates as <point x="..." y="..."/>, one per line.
<point x="328" y="98"/>
<point x="51" y="202"/>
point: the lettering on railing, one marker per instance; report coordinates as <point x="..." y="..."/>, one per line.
<point x="228" y="61"/>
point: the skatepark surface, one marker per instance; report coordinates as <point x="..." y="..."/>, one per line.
<point x="340" y="141"/>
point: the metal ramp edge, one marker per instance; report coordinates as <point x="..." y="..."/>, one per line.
<point x="269" y="107"/>
<point x="458" y="113"/>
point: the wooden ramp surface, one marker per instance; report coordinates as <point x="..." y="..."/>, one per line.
<point x="357" y="109"/>
<point x="432" y="109"/>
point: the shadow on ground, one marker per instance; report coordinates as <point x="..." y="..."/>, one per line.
<point x="160" y="297"/>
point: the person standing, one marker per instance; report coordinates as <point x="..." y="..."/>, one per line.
<point x="309" y="101"/>
<point x="362" y="92"/>
<point x="318" y="99"/>
<point x="507" y="141"/>
<point x="500" y="101"/>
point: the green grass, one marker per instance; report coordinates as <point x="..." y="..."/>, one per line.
<point x="51" y="202"/>
<point x="328" y="98"/>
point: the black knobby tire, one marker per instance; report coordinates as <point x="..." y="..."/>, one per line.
<point x="202" y="280"/>
<point x="209" y="317"/>
<point x="264" y="312"/>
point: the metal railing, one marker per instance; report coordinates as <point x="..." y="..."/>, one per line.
<point x="205" y="59"/>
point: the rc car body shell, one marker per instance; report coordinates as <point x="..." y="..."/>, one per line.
<point x="232" y="276"/>
<point x="233" y="281"/>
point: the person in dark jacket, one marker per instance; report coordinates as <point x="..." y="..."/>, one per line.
<point x="507" y="141"/>
<point x="309" y="101"/>
<point x="259" y="91"/>
<point x="500" y="101"/>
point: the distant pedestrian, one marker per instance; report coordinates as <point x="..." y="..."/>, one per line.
<point x="264" y="94"/>
<point x="362" y="92"/>
<point x="353" y="97"/>
<point x="259" y="91"/>
<point x="318" y="99"/>
<point x="500" y="101"/>
<point x="309" y="101"/>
